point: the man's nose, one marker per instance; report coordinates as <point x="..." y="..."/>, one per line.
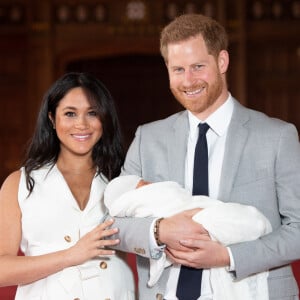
<point x="189" y="78"/>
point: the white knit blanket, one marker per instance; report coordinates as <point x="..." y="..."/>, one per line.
<point x="227" y="223"/>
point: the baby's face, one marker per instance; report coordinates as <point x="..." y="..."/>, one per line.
<point x="142" y="183"/>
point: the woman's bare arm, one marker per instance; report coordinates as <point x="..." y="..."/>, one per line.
<point x="16" y="269"/>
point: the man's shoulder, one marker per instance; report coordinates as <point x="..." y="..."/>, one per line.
<point x="260" y="120"/>
<point x="167" y="122"/>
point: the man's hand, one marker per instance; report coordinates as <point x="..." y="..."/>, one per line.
<point x="206" y="254"/>
<point x="180" y="227"/>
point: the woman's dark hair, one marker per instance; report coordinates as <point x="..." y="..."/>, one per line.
<point x="44" y="147"/>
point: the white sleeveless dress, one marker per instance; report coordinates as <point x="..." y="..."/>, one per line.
<point x="53" y="221"/>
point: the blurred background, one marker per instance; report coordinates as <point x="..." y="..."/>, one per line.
<point x="118" y="41"/>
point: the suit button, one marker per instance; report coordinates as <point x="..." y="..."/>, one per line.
<point x="159" y="297"/>
<point x="103" y="265"/>
<point x="139" y="250"/>
<point x="68" y="240"/>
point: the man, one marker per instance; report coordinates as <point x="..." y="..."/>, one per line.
<point x="252" y="159"/>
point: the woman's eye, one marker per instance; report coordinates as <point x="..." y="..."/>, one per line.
<point x="70" y="114"/>
<point x="93" y="113"/>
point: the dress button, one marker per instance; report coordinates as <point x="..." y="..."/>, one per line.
<point x="68" y="239"/>
<point x="103" y="265"/>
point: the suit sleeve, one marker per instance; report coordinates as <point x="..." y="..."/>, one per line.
<point x="282" y="246"/>
<point x="134" y="232"/>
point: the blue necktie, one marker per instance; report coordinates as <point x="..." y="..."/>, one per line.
<point x="189" y="282"/>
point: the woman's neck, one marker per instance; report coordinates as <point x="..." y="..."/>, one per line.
<point x="75" y="165"/>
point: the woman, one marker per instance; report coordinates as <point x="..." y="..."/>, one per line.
<point x="52" y="208"/>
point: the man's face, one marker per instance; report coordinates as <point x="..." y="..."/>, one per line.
<point x="197" y="78"/>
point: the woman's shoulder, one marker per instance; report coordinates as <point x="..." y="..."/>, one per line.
<point x="12" y="180"/>
<point x="44" y="172"/>
<point x="9" y="191"/>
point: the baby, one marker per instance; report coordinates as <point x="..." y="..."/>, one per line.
<point x="227" y="223"/>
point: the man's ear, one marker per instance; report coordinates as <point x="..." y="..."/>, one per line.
<point x="223" y="61"/>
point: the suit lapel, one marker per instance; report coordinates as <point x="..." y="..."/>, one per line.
<point x="236" y="139"/>
<point x="177" y="145"/>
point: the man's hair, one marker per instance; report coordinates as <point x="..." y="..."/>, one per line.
<point x="188" y="26"/>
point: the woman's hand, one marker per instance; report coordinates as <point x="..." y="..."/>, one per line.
<point x="93" y="244"/>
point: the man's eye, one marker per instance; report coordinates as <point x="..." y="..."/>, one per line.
<point x="198" y="67"/>
<point x="178" y="70"/>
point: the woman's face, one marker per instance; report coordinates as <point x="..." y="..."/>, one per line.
<point x="77" y="123"/>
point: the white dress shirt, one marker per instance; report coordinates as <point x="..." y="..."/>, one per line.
<point x="216" y="138"/>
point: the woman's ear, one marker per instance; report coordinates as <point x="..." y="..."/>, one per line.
<point x="51" y="119"/>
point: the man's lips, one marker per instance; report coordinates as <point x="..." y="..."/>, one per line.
<point x="194" y="92"/>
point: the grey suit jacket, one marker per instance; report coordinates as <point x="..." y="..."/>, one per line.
<point x="261" y="167"/>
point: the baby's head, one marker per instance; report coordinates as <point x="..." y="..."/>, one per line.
<point x="122" y="184"/>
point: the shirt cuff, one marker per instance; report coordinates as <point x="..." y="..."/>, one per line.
<point x="231" y="267"/>
<point x="156" y="251"/>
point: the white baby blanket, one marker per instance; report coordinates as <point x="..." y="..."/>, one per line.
<point x="227" y="223"/>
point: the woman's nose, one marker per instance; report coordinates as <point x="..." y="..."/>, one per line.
<point x="81" y="123"/>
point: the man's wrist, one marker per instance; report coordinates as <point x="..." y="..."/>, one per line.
<point x="156" y="231"/>
<point x="231" y="266"/>
<point x="156" y="251"/>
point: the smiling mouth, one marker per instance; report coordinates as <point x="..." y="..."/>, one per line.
<point x="81" y="137"/>
<point x="194" y="92"/>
